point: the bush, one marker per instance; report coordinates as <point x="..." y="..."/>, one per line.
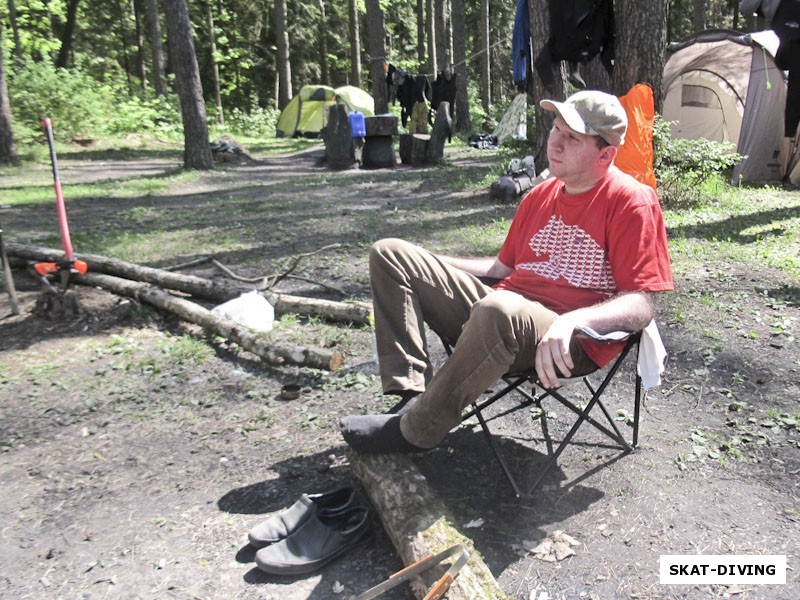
<point x="684" y="168"/>
<point x="257" y="122"/>
<point x="75" y="103"/>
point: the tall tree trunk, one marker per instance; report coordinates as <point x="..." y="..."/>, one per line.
<point x="641" y="36"/>
<point x="283" y="68"/>
<point x="540" y="33"/>
<point x="421" y="32"/>
<point x="698" y="15"/>
<point x="430" y="30"/>
<point x="141" y="67"/>
<point x="212" y="41"/>
<point x="196" y="149"/>
<point x="66" y="36"/>
<point x="486" y="70"/>
<point x="324" y="68"/>
<point x="12" y="15"/>
<point x="157" y="48"/>
<point x="442" y="42"/>
<point x="462" y="117"/>
<point x="7" y="152"/>
<point x="376" y="33"/>
<point x="355" y="43"/>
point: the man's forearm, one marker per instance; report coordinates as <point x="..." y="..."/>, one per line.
<point x="480" y="267"/>
<point x="630" y="311"/>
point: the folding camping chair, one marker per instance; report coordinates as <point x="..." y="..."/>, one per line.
<point x="514" y="382"/>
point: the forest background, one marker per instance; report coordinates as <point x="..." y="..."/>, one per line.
<point x="108" y="68"/>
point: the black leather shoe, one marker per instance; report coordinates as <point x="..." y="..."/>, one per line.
<point x="316" y="543"/>
<point x="283" y="524"/>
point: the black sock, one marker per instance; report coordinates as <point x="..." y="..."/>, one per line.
<point x="375" y="434"/>
<point x="404" y="404"/>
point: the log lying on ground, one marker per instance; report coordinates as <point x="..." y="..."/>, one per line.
<point x="419" y="525"/>
<point x="348" y="312"/>
<point x="271" y="352"/>
<point x="189" y="284"/>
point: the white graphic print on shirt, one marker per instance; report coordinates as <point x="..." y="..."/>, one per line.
<point x="570" y="253"/>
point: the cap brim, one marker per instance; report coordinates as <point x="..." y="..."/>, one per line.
<point x="567" y="112"/>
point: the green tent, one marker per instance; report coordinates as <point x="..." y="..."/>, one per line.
<point x="305" y="114"/>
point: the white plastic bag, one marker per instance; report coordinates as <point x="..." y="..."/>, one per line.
<point x="250" y="309"/>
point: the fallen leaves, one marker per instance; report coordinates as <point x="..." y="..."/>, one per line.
<point x="556" y="547"/>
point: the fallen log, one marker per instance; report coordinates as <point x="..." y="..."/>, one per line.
<point x="419" y="525"/>
<point x="258" y="344"/>
<point x="349" y="312"/>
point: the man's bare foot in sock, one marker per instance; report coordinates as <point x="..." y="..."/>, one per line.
<point x="375" y="434"/>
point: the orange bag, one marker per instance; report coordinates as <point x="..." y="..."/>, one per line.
<point x="635" y="156"/>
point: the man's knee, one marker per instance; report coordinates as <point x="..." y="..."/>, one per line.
<point x="385" y="248"/>
<point x="495" y="312"/>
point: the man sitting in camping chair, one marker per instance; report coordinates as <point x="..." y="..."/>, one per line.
<point x="587" y="248"/>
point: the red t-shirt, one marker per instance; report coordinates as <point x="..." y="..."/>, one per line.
<point x="572" y="251"/>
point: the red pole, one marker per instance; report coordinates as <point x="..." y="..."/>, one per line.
<point x="62" y="211"/>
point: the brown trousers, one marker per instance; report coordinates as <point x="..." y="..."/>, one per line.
<point x="495" y="332"/>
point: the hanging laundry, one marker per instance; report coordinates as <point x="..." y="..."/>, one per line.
<point x="443" y="90"/>
<point x="579" y="31"/>
<point x="521" y="45"/>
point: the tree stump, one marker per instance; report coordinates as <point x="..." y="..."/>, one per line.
<point x="442" y="131"/>
<point x="378" y="148"/>
<point x="338" y="138"/>
<point x="58" y="306"/>
<point x="414" y="148"/>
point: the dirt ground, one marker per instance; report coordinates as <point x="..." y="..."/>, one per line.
<point x="136" y="452"/>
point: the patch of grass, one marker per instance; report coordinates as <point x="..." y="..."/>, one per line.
<point x="185" y="351"/>
<point x="755" y="227"/>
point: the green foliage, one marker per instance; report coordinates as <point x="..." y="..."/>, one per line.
<point x="686" y="168"/>
<point x="257" y="122"/>
<point x="75" y="103"/>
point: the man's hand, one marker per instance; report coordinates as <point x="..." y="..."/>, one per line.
<point x="552" y="353"/>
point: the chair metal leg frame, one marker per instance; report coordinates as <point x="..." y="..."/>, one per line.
<point x="583" y="415"/>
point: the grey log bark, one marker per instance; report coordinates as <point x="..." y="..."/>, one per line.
<point x="258" y="344"/>
<point x="359" y="313"/>
<point x="419" y="525"/>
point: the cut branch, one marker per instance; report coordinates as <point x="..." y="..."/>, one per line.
<point x="268" y="350"/>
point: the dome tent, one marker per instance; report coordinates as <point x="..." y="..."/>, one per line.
<point x="725" y="86"/>
<point x="305" y="113"/>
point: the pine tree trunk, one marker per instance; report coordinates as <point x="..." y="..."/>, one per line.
<point x="442" y="42"/>
<point x="324" y="68"/>
<point x="698" y="15"/>
<point x="212" y="41"/>
<point x="196" y="149"/>
<point x="8" y="153"/>
<point x="12" y="16"/>
<point x="430" y="30"/>
<point x="421" y="32"/>
<point x="462" y="117"/>
<point x="156" y="48"/>
<point x="376" y="32"/>
<point x="540" y="33"/>
<point x="284" y="69"/>
<point x="355" y="43"/>
<point x="641" y="30"/>
<point x="66" y="37"/>
<point x="141" y="67"/>
<point x="486" y="70"/>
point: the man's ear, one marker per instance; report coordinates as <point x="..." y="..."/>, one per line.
<point x="608" y="154"/>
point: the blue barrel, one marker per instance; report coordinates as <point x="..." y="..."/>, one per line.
<point x="357" y="125"/>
